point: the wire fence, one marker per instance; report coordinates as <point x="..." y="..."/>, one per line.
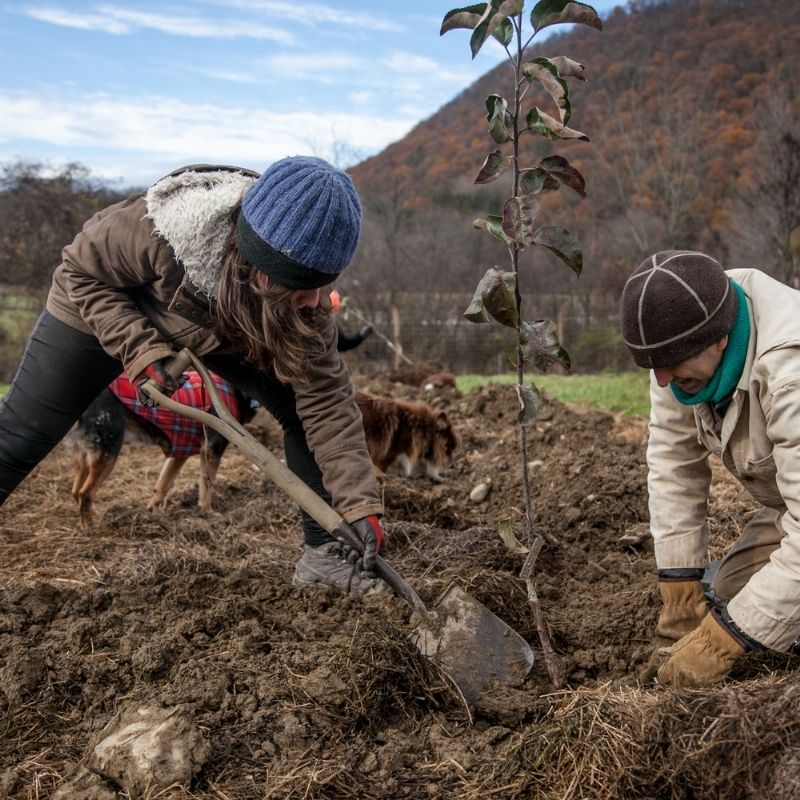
<point x="411" y="333"/>
<point x="414" y="329"/>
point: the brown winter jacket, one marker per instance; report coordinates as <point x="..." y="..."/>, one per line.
<point x="141" y="276"/>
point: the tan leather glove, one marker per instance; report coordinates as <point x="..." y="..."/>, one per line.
<point x="683" y="608"/>
<point x="701" y="658"/>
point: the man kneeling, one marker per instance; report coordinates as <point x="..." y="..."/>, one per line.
<point x="724" y="350"/>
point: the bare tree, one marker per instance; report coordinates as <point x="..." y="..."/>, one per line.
<point x="766" y="206"/>
<point x="39" y="214"/>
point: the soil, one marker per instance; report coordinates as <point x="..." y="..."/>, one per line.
<point x="285" y="693"/>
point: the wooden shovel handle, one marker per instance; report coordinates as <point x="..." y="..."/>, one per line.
<point x="229" y="427"/>
<point x="179" y="364"/>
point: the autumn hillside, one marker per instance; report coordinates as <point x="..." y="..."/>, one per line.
<point x="691" y="107"/>
<point x="693" y="116"/>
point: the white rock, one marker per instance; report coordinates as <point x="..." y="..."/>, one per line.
<point x="481" y="491"/>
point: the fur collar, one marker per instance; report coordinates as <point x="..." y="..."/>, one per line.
<point x="192" y="211"/>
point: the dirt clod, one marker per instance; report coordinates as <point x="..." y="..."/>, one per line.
<point x="148" y="748"/>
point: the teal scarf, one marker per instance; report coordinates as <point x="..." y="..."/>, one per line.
<point x="724" y="380"/>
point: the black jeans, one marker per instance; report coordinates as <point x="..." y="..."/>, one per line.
<point x="62" y="370"/>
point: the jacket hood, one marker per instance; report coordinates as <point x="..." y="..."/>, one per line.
<point x="192" y="212"/>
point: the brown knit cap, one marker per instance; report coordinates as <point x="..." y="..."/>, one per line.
<point x="676" y="304"/>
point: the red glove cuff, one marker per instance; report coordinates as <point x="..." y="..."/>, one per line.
<point x="375" y="523"/>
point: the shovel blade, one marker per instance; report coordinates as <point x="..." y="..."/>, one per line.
<point x="476" y="648"/>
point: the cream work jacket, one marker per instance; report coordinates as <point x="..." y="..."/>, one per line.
<point x="758" y="441"/>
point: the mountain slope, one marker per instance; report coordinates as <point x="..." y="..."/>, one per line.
<point x="688" y="106"/>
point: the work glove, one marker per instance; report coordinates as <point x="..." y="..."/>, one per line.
<point x="371" y="534"/>
<point x="683" y="608"/>
<point x="157" y="374"/>
<point x="364" y="331"/>
<point x="703" y="657"/>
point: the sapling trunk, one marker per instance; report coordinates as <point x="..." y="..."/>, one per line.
<point x="498" y="296"/>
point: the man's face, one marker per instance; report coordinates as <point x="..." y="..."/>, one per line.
<point x="694" y="373"/>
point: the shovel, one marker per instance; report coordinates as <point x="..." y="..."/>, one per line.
<point x="473" y="645"/>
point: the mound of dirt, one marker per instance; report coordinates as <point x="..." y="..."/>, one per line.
<point x="311" y="694"/>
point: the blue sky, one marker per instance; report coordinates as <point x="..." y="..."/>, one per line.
<point x="134" y="89"/>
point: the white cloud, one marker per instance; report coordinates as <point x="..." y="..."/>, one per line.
<point x="113" y="19"/>
<point x="163" y="130"/>
<point x="362" y="98"/>
<point x="311" y="66"/>
<point x="285" y="69"/>
<point x="313" y="14"/>
<point x="424" y="68"/>
<point x="87" y="22"/>
<point x="225" y="74"/>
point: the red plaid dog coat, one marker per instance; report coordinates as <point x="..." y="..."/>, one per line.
<point x="185" y="435"/>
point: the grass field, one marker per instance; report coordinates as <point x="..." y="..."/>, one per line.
<point x="18" y="313"/>
<point x="627" y="392"/>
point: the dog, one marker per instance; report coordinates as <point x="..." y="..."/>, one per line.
<point x="413" y="375"/>
<point x="116" y="416"/>
<point x="411" y="433"/>
<point x="437" y="380"/>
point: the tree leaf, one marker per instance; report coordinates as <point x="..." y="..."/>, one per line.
<point x="541" y="345"/>
<point x="561" y="242"/>
<point x="508" y="8"/>
<point x="519" y="215"/>
<point x="494" y="22"/>
<point x="494" y="166"/>
<point x="495" y="297"/>
<point x="560" y="168"/>
<point x="530" y="402"/>
<point x="555" y="12"/>
<point x="546" y="72"/>
<point x="466" y="17"/>
<point x="482" y="30"/>
<point x="484" y="20"/>
<point x="506" y="531"/>
<point x="499" y="118"/>
<point x="503" y="32"/>
<point x="545" y="125"/>
<point x="494" y="225"/>
<point x="475" y="311"/>
<point x="567" y="68"/>
<point x="534" y="181"/>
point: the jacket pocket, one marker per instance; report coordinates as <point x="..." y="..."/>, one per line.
<point x="759" y="478"/>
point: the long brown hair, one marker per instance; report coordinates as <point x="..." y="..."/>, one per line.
<point x="261" y="322"/>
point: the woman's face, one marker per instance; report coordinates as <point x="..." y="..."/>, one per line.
<point x="299" y="298"/>
<point x="304" y="298"/>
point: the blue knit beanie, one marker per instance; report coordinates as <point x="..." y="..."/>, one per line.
<point x="300" y="222"/>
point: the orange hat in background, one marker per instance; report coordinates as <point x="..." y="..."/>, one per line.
<point x="336" y="300"/>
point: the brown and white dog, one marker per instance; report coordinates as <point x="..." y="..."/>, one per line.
<point x="411" y="433"/>
<point x="116" y="417"/>
<point x="413" y="375"/>
<point x="437" y="380"/>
